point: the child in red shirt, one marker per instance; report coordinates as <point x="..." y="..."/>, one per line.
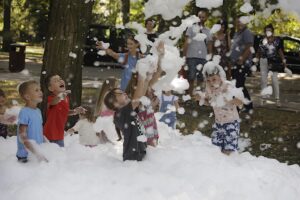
<point x="58" y="110"/>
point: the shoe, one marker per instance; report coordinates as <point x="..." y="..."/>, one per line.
<point x="278" y="103"/>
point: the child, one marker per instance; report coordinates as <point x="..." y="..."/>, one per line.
<point x="224" y="98"/>
<point x="145" y="113"/>
<point x="30" y="122"/>
<point x="4" y="119"/>
<point x="166" y="101"/>
<point x="57" y="110"/>
<point x="134" y="146"/>
<point x="84" y="127"/>
<point x="101" y="109"/>
<point x="128" y="60"/>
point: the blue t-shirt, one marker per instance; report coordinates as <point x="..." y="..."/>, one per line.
<point x="129" y="67"/>
<point x="33" y="119"/>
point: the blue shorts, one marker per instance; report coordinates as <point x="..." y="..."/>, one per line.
<point x="226" y="135"/>
<point x="193" y="72"/>
<point x="58" y="142"/>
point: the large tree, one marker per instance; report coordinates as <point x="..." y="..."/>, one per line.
<point x="7" y="39"/>
<point x="68" y="25"/>
<point x="126" y="11"/>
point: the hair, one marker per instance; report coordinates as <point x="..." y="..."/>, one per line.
<point x="211" y="69"/>
<point x="132" y="84"/>
<point x="108" y="84"/>
<point x="23" y="87"/>
<point x="48" y="79"/>
<point x="150" y="20"/>
<point x="203" y="10"/>
<point x="269" y="26"/>
<point x="89" y="114"/>
<point x="2" y="94"/>
<point x="110" y="98"/>
<point x="223" y="22"/>
<point x="131" y="37"/>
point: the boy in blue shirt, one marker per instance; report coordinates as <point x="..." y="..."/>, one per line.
<point x="30" y="122"/>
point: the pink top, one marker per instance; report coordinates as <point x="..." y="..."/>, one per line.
<point x="224" y="111"/>
<point x="106" y="112"/>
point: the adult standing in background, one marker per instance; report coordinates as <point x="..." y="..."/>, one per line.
<point x="150" y="32"/>
<point x="271" y="57"/>
<point x="196" y="50"/>
<point x="241" y="57"/>
<point x="221" y="46"/>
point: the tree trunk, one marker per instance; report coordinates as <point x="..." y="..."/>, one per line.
<point x="126" y="11"/>
<point x="68" y="25"/>
<point x="7" y="39"/>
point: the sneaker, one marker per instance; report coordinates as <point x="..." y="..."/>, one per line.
<point x="22" y="160"/>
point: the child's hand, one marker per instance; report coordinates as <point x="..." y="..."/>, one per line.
<point x="10" y="119"/>
<point x="64" y="94"/>
<point x="79" y="110"/>
<point x="236" y="102"/>
<point x="41" y="158"/>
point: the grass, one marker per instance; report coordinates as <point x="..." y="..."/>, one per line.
<point x="264" y="127"/>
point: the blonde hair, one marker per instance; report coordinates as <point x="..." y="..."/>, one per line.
<point x="23" y="87"/>
<point x="107" y="85"/>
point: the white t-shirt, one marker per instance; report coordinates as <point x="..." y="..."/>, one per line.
<point x="87" y="135"/>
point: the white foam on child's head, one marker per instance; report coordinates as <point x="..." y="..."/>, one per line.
<point x="211" y="68"/>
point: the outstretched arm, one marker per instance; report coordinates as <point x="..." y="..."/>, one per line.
<point x="109" y="52"/>
<point x="27" y="143"/>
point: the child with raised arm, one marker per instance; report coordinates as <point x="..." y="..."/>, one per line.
<point x="128" y="59"/>
<point x="30" y="122"/>
<point x="224" y="98"/>
<point x="134" y="146"/>
<point x="57" y="109"/>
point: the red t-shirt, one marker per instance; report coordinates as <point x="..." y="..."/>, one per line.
<point x="56" y="118"/>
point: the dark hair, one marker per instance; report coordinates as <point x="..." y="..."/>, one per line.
<point x="48" y="79"/>
<point x="203" y="10"/>
<point x="150" y="20"/>
<point x="269" y="26"/>
<point x="2" y="94"/>
<point x="224" y="23"/>
<point x="23" y="87"/>
<point x="131" y="37"/>
<point x="110" y="99"/>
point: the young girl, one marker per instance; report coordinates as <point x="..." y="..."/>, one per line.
<point x="145" y="113"/>
<point x="84" y="127"/>
<point x="166" y="102"/>
<point x="101" y="110"/>
<point x="4" y="118"/>
<point x="224" y="99"/>
<point x="134" y="147"/>
<point x="128" y="60"/>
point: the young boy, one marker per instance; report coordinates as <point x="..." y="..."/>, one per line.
<point x="30" y="122"/>
<point x="224" y="98"/>
<point x="57" y="110"/>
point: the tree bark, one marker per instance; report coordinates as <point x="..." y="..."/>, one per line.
<point x="68" y="25"/>
<point x="126" y="11"/>
<point x="7" y="38"/>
